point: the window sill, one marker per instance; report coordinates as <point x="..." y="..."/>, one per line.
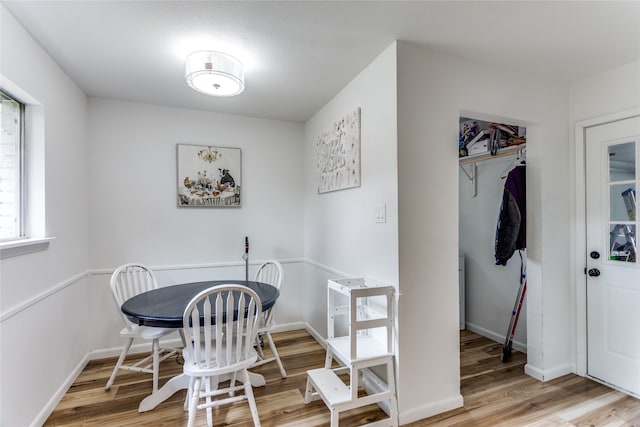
<point x="23" y="247"/>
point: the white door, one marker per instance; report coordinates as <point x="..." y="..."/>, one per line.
<point x="613" y="264"/>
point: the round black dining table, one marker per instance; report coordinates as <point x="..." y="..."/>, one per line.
<point x="164" y="307"/>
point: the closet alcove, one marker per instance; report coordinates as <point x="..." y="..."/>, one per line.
<point x="488" y="151"/>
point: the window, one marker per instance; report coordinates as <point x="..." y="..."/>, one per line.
<point x="11" y="169"/>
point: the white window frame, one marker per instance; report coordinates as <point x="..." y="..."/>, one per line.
<point x="20" y="176"/>
<point x="32" y="180"/>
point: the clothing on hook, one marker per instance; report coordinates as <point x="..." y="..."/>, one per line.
<point x="511" y="231"/>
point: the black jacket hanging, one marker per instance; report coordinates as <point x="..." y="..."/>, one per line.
<point x="511" y="230"/>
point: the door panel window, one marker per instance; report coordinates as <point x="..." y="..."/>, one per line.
<point x="622" y="202"/>
<point x="622" y="242"/>
<point x="622" y="161"/>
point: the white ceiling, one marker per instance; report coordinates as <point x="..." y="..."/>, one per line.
<point x="299" y="54"/>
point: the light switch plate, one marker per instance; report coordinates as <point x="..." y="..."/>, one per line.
<point x="381" y="213"/>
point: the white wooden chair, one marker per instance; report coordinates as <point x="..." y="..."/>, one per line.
<point x="271" y="273"/>
<point x="220" y="344"/>
<point x="127" y="281"/>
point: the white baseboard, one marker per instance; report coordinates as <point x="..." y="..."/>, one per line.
<point x="558" y="371"/>
<point x="292" y="326"/>
<point x="316" y="335"/>
<point x="534" y="372"/>
<point x="46" y="411"/>
<point x="493" y="336"/>
<point x="431" y="409"/>
<point x="551" y="373"/>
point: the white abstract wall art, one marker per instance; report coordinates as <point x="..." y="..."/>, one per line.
<point x="338" y="154"/>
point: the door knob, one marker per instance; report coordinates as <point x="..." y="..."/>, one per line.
<point x="595" y="255"/>
<point x="594" y="272"/>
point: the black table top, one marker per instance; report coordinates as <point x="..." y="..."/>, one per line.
<point x="164" y="307"/>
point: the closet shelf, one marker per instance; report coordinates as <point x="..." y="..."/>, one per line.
<point x="473" y="160"/>
<point x="502" y="152"/>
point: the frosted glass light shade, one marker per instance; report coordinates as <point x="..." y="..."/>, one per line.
<point x="214" y="73"/>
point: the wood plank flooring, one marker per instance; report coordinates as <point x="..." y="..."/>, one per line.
<point x="496" y="394"/>
<point x="500" y="394"/>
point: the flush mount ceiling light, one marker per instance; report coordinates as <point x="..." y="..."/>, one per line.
<point x="214" y="73"/>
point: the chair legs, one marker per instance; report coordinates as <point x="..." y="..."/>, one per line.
<point x="152" y="368"/>
<point x="259" y="344"/>
<point x="193" y="402"/>
<point x="187" y="399"/>
<point x="208" y="388"/>
<point x="274" y="351"/>
<point x="248" y="390"/>
<point x="123" y="355"/>
<point x="195" y="393"/>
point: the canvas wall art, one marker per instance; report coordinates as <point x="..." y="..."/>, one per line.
<point x="208" y="176"/>
<point x="338" y="154"/>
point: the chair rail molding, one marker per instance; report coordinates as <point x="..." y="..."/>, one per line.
<point x="43" y="295"/>
<point x="101" y="271"/>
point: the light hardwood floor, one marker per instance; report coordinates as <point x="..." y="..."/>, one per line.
<point x="495" y="394"/>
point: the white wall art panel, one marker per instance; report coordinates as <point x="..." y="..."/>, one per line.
<point x="338" y="154"/>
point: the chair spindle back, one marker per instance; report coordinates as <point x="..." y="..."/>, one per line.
<point x="224" y="336"/>
<point x="129" y="280"/>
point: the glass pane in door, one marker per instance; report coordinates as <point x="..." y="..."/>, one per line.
<point x="622" y="162"/>
<point x="622" y="202"/>
<point x="623" y="183"/>
<point x="622" y="242"/>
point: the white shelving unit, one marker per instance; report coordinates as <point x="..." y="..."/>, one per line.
<point x="472" y="173"/>
<point x="366" y="343"/>
<point x="502" y="152"/>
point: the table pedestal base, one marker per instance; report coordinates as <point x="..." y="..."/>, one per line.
<point x="181" y="382"/>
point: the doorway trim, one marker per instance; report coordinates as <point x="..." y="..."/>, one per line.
<point x="581" y="231"/>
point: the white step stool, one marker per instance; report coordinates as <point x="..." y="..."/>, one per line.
<point x="370" y="313"/>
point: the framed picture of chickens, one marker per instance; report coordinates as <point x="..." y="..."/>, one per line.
<point x="209" y="176"/>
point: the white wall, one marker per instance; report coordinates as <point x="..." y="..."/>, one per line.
<point x="133" y="193"/>
<point x="341" y="233"/>
<point x="133" y="209"/>
<point x="610" y="92"/>
<point x="44" y="295"/>
<point x="433" y="90"/>
<point x="491" y="289"/>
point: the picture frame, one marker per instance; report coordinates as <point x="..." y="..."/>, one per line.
<point x="208" y="176"/>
